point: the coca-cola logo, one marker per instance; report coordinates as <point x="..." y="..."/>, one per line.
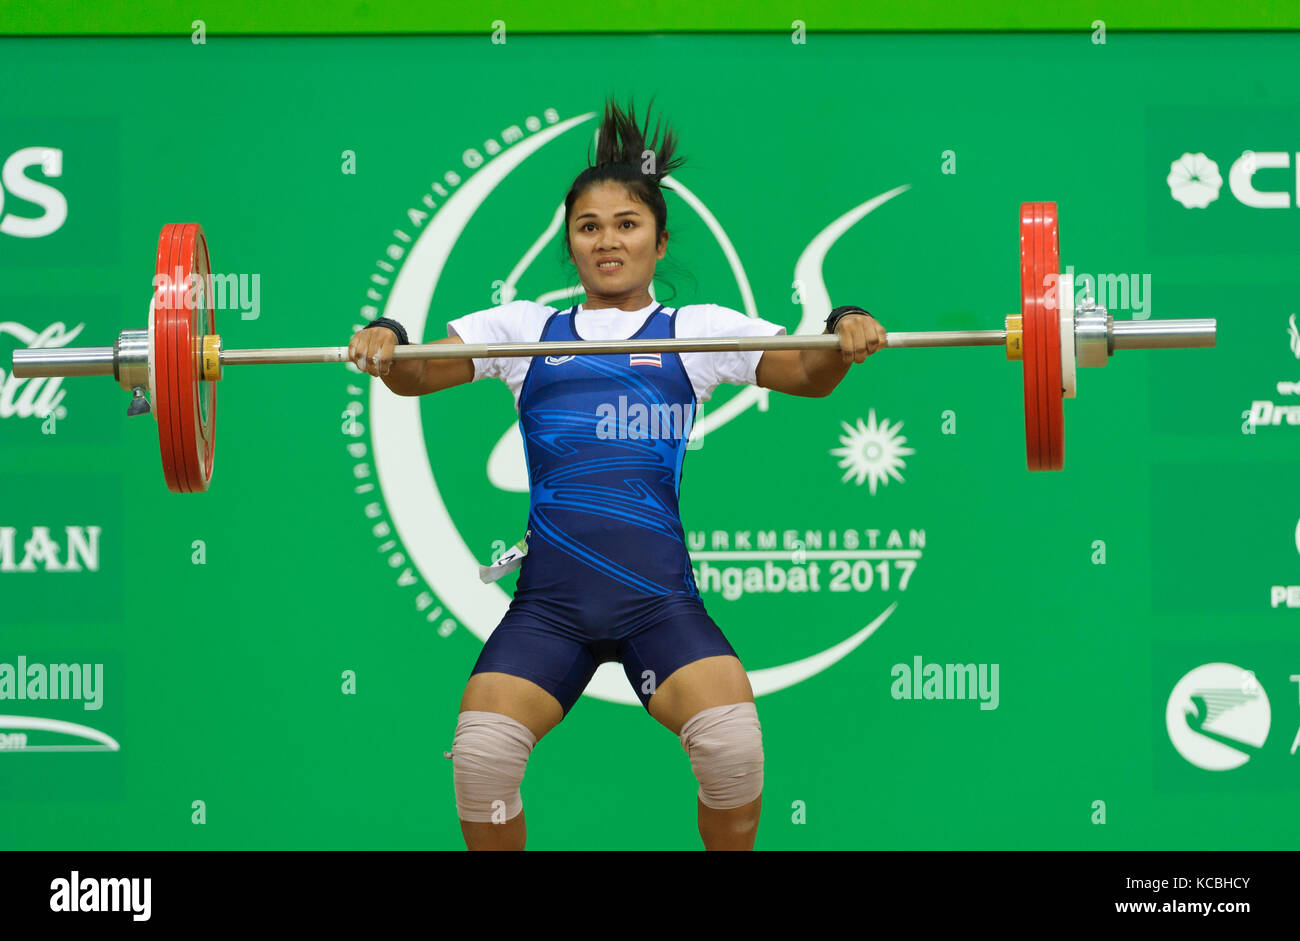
<point x="42" y="396"/>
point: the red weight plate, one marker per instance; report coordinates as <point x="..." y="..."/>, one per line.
<point x="196" y="311"/>
<point x="1030" y="343"/>
<point x="1040" y="258"/>
<point x="166" y="408"/>
<point x="183" y="312"/>
<point x="1051" y="319"/>
<point x="177" y="334"/>
<point x="206" y="393"/>
<point x="1036" y="267"/>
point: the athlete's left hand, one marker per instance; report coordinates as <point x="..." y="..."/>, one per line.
<point x="860" y="336"/>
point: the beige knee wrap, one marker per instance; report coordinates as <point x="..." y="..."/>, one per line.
<point x="488" y="756"/>
<point x="726" y="748"/>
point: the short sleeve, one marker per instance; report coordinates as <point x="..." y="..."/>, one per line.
<point x="709" y="370"/>
<point x="501" y="324"/>
<point x="516" y="322"/>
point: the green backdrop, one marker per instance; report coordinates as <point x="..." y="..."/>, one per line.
<point x="226" y="623"/>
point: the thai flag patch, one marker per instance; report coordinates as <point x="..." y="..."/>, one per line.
<point x="644" y="359"/>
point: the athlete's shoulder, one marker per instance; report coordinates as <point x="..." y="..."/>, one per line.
<point x="526" y="309"/>
<point x="710" y="310"/>
<point x="703" y="305"/>
<point x="538" y="307"/>
<point x="511" y="322"/>
<point x="528" y="312"/>
<point x="520" y="312"/>
<point x="710" y="319"/>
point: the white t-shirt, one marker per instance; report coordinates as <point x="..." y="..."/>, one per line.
<point x="523" y="321"/>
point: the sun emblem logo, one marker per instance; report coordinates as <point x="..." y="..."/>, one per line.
<point x="872" y="452"/>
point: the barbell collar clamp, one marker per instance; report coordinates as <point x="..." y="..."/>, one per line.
<point x="1093" y="335"/>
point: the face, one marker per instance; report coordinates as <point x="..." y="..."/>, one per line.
<point x="607" y="224"/>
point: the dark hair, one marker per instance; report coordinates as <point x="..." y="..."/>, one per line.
<point x="621" y="157"/>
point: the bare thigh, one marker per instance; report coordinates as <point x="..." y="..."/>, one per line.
<point x="514" y="696"/>
<point x="712" y="681"/>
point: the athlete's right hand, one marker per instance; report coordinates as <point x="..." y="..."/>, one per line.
<point x="371" y="350"/>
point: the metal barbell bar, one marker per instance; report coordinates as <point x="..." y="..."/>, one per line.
<point x="107" y="360"/>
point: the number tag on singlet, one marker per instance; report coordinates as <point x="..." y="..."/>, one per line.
<point x="510" y="560"/>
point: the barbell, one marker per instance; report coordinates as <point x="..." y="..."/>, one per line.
<point x="176" y="362"/>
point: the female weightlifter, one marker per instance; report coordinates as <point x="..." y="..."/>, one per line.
<point x="607" y="575"/>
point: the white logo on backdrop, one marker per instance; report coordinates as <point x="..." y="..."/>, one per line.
<point x="872" y="452"/>
<point x="1194" y="180"/>
<point x="1217" y="715"/>
<point x="16" y="738"/>
<point x="1266" y="412"/>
